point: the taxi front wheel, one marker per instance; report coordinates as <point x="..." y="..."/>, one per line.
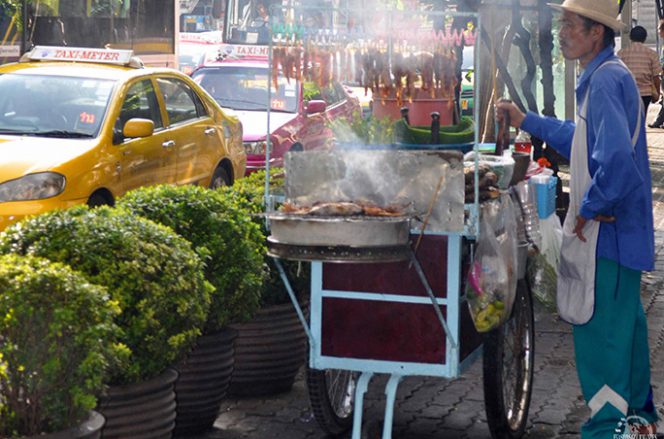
<point x="220" y="178"/>
<point x="97" y="200"/>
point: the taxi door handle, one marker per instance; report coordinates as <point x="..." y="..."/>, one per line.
<point x="168" y="144"/>
<point x="209" y="131"/>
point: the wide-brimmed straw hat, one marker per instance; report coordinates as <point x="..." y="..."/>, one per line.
<point x="601" y="11"/>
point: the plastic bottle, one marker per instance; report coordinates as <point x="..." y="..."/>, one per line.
<point x="522" y="143"/>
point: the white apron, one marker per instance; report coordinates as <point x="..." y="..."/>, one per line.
<point x="576" y="270"/>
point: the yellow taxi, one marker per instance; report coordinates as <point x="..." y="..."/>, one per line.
<point x="82" y="125"/>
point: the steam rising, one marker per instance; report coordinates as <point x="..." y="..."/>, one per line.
<point x="407" y="178"/>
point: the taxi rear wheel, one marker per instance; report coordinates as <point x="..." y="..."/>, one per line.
<point x="220" y="178"/>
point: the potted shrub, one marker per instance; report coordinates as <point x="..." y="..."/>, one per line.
<point x="158" y="282"/>
<point x="57" y="340"/>
<point x="231" y="244"/>
<point x="270" y="348"/>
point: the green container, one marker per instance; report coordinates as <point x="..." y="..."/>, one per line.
<point x="463" y="132"/>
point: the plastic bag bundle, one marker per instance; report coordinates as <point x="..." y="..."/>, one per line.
<point x="508" y="245"/>
<point x="543" y="281"/>
<point x="488" y="283"/>
<point x="542" y="265"/>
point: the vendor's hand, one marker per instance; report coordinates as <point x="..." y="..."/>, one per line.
<point x="581" y="222"/>
<point x="516" y="116"/>
<point x="578" y="228"/>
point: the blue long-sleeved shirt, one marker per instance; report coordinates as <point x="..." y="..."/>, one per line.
<point x="621" y="181"/>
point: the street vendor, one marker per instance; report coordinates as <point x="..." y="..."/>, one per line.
<point x="608" y="237"/>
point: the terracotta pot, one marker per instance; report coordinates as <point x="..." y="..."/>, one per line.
<point x="143" y="410"/>
<point x="203" y="382"/>
<point x="88" y="429"/>
<point x="269" y="351"/>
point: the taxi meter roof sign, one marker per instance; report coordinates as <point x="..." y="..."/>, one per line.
<point x="80" y="54"/>
<point x="233" y="52"/>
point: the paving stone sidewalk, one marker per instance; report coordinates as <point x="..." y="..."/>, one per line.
<point x="429" y="408"/>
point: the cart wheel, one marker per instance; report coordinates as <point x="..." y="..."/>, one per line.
<point x="332" y="396"/>
<point x="508" y="369"/>
<point x="372" y="429"/>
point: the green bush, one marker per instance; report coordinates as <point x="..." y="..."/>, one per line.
<point x="153" y="274"/>
<point x="57" y="341"/>
<point x="249" y="192"/>
<point x="222" y="233"/>
<point x="367" y="131"/>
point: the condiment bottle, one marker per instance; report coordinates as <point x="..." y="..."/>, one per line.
<point x="522" y="143"/>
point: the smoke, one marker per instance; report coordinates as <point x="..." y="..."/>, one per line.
<point x="418" y="180"/>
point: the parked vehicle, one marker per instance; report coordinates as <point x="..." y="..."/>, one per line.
<point x="86" y="125"/>
<point x="467" y="81"/>
<point x="238" y="78"/>
<point x="192" y="47"/>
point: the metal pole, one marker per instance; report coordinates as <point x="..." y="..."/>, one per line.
<point x="626" y="18"/>
<point x="24" y="30"/>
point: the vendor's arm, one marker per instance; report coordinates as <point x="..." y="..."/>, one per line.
<point x="616" y="174"/>
<point x="556" y="133"/>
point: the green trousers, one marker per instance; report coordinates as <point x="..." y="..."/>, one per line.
<point x="612" y="355"/>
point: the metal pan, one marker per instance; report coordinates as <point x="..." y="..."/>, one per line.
<point x="350" y="231"/>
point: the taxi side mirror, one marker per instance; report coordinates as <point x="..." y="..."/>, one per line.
<point x="314" y="107"/>
<point x="138" y="127"/>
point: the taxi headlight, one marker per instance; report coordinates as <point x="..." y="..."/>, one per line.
<point x="33" y="187"/>
<point x="255" y="148"/>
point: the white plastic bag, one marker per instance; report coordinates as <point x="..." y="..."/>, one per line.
<point x="542" y="265"/>
<point x="487" y="282"/>
<point x="552" y="237"/>
<point x="509" y="247"/>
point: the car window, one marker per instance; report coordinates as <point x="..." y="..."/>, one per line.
<point x="246" y="88"/>
<point x="50" y="105"/>
<point x="180" y="100"/>
<point x="140" y="101"/>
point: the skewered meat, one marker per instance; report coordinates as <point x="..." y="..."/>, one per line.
<point x="288" y="65"/>
<point x="426" y="71"/>
<point x="277" y="62"/>
<point x="343" y="208"/>
<point x="306" y="76"/>
<point x="336" y="209"/>
<point x="297" y="53"/>
<point x="357" y="56"/>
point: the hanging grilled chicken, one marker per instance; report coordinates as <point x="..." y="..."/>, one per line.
<point x="297" y="54"/>
<point x="399" y="72"/>
<point x="357" y="61"/>
<point x="278" y="55"/>
<point x="426" y="72"/>
<point x="290" y="59"/>
<point x="369" y="70"/>
<point x="306" y="72"/>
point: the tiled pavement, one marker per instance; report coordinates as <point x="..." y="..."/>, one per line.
<point x="429" y="408"/>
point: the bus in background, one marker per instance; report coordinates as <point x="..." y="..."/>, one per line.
<point x="148" y="27"/>
<point x="247" y="21"/>
<point x="201" y="15"/>
<point x="192" y="47"/>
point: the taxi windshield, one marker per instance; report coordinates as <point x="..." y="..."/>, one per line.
<point x="52" y="106"/>
<point x="245" y="88"/>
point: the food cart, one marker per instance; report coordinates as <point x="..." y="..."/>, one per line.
<point x="391" y="236"/>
